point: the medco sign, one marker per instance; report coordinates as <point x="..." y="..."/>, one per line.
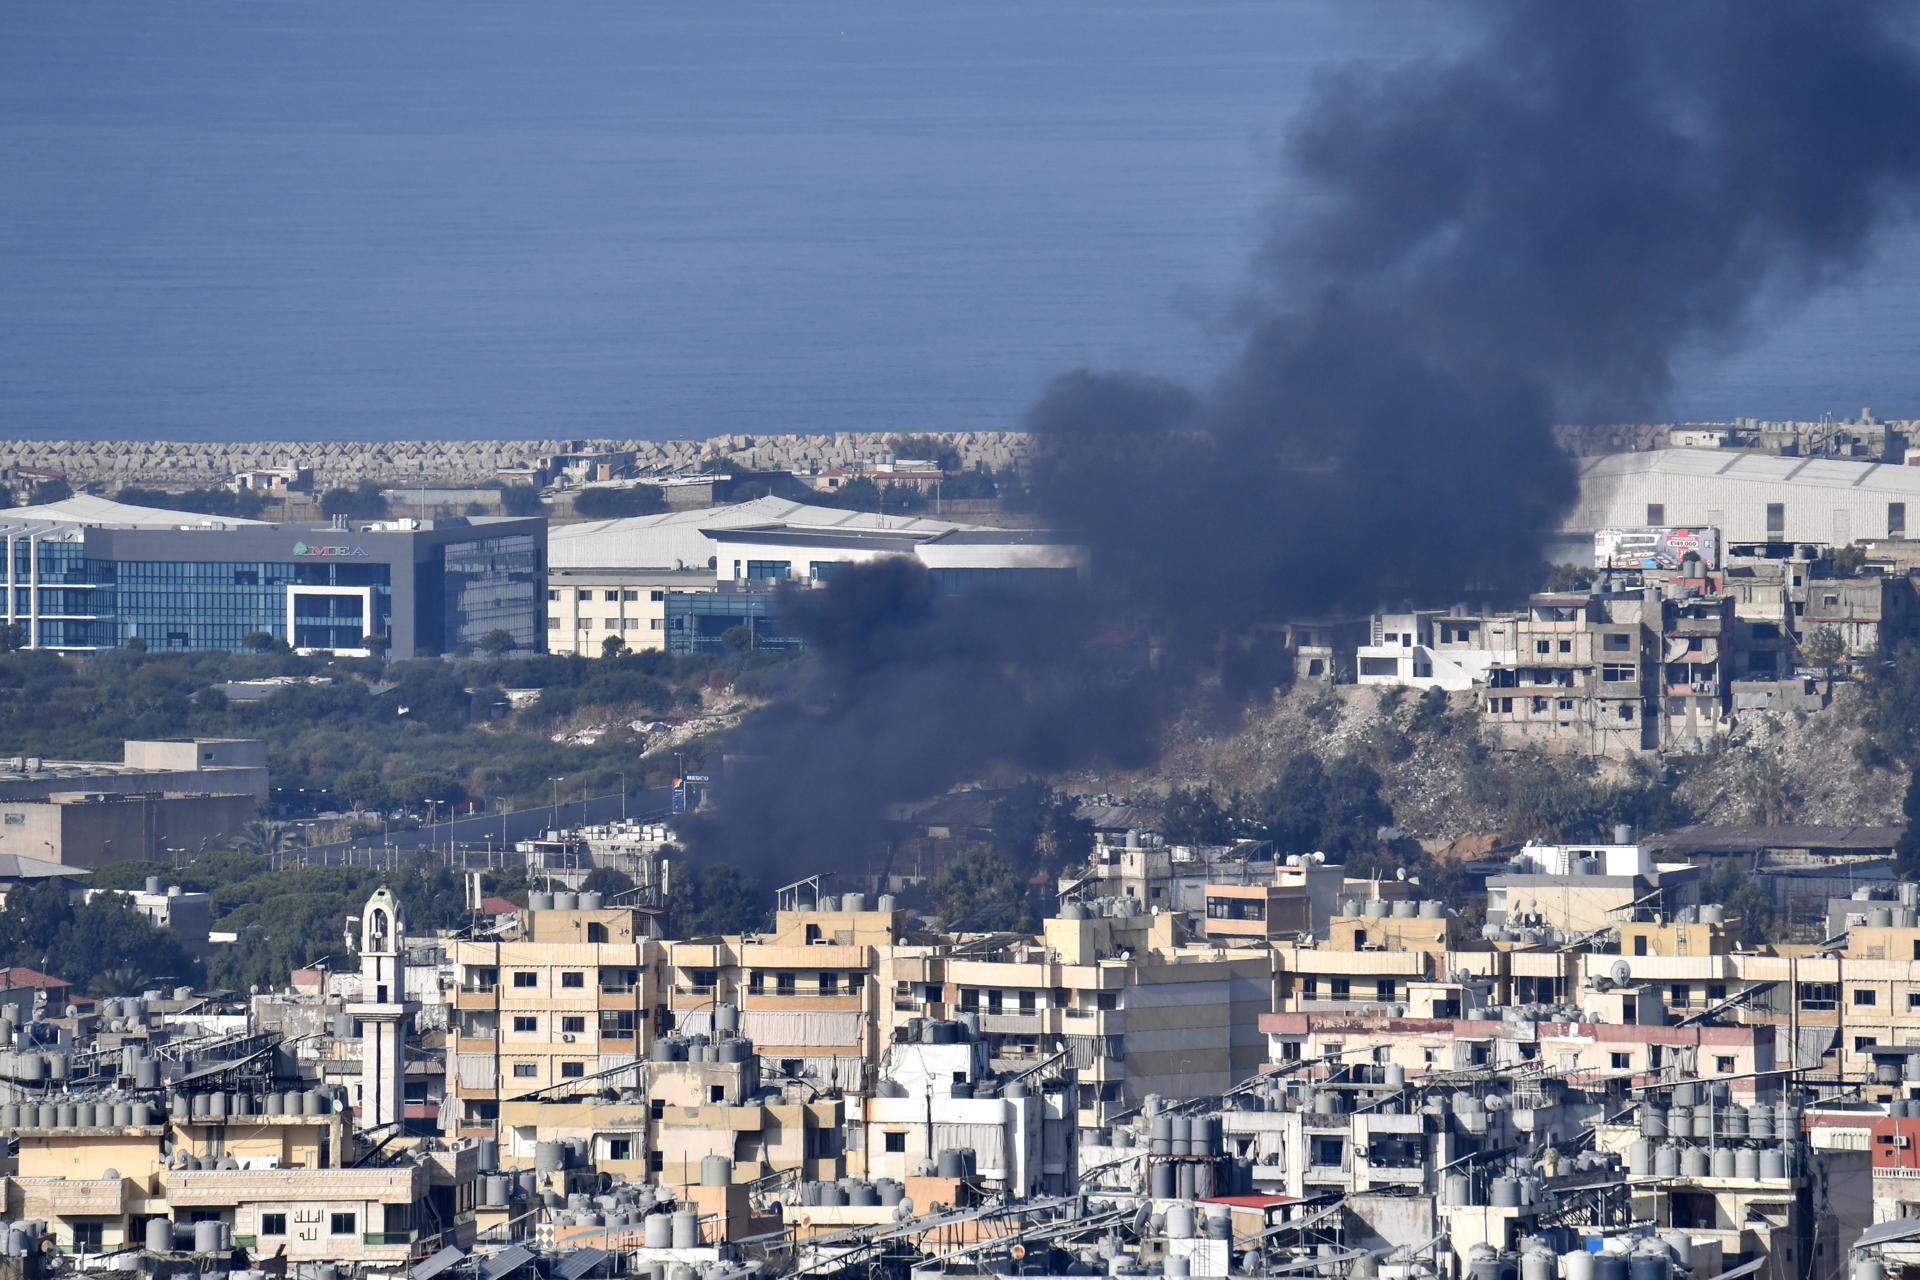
<point x="302" y="549"/>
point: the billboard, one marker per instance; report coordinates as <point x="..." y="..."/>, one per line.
<point x="1663" y="547"/>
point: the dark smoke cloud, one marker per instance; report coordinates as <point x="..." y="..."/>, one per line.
<point x="1531" y="233"/>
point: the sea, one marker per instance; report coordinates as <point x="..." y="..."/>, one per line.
<point x="358" y="220"/>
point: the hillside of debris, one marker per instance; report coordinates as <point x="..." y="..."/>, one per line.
<point x="1444" y="779"/>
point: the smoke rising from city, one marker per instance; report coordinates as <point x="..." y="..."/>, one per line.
<point x="1531" y="233"/>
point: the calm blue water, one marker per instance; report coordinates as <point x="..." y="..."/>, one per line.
<point x="356" y="219"/>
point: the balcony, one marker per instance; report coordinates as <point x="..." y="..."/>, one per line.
<point x="64" y="1197"/>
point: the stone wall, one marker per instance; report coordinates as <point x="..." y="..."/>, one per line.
<point x="110" y="465"/>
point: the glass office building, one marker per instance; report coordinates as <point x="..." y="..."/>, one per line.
<point x="425" y="587"/>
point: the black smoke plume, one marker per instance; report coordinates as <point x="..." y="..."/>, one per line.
<point x="1530" y="233"/>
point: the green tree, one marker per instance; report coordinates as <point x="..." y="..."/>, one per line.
<point x="1334" y="808"/>
<point x="1568" y="577"/>
<point x="712" y="900"/>
<point x="982" y="895"/>
<point x="612" y="647"/>
<point x="362" y="502"/>
<point x="1848" y="561"/>
<point x="1033" y="822"/>
<point x="1194" y="817"/>
<point x="1824" y="651"/>
<point x="46" y="491"/>
<point x="942" y="451"/>
<point x="497" y="642"/>
<point x="609" y="881"/>
<point x="612" y="503"/>
<point x="521" y="500"/>
<point x="103" y="947"/>
<point x="257" y="641"/>
<point x="13" y="636"/>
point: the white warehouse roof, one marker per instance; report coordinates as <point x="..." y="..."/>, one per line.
<point x="1822" y="500"/>
<point x="676" y="538"/>
<point x="85" y="509"/>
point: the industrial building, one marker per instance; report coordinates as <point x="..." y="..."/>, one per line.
<point x="1750" y="497"/>
<point x="86" y="574"/>
<point x="163" y="802"/>
<point x="683" y="580"/>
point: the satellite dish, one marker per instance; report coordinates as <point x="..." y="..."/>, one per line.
<point x="1018" y="1251"/>
<point x="1622" y="974"/>
<point x="1400" y="873"/>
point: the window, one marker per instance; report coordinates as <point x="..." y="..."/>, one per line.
<point x="1566" y="646"/>
<point x="1896" y="519"/>
<point x="525" y="1022"/>
<point x="896" y="1141"/>
<point x="656" y="595"/>
<point x="1863" y="998"/>
<point x="1819" y="996"/>
<point x="572" y="1070"/>
<point x="525" y="978"/>
<point x="583" y="595"/>
<point x="1615" y="672"/>
<point x="1656" y="513"/>
<point x="783" y="984"/>
<point x="829" y="984"/>
<point x="1386" y="988"/>
<point x="611" y="595"/>
<point x="1862" y="1043"/>
<point x="573" y="1024"/>
<point x="273" y="1224"/>
<point x="1542" y="646"/>
<point x="573" y="979"/>
<point x="1776" y="521"/>
<point x="619" y="1148"/>
<point x="1107" y="1000"/>
<point x="553" y="597"/>
<point x="1619" y="1061"/>
<point x="553" y="624"/>
<point x="1342" y="988"/>
<point x="630" y="595"/>
<point x="596" y="933"/>
<point x="525" y="1071"/>
<point x="756" y="982"/>
<point x="1626" y="711"/>
<point x="86" y="1237"/>
<point x="1027" y="1001"/>
<point x="1723" y="1065"/>
<point x="1679" y="993"/>
<point x="1617" y="641"/>
<point x="344" y="1224"/>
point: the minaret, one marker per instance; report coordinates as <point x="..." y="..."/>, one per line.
<point x="382" y="1010"/>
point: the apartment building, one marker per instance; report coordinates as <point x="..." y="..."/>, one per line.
<point x="1435" y="649"/>
<point x="576" y="997"/>
<point x="1583" y="677"/>
<point x="588" y="607"/>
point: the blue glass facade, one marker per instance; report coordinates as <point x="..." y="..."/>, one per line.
<point x="699" y="622"/>
<point x="425" y="590"/>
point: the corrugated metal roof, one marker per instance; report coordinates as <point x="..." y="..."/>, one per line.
<point x="1759" y="468"/>
<point x="657" y="541"/>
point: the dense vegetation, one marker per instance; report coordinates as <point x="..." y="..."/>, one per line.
<point x="608" y="504"/>
<point x="378" y="735"/>
<point x="103" y="947"/>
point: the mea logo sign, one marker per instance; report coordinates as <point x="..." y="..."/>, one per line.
<point x="302" y="549"/>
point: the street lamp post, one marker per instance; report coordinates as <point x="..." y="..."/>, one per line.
<point x="556" y="800"/>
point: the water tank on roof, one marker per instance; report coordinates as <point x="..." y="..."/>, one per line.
<point x="686" y="1229"/>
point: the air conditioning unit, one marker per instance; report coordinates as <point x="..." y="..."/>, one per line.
<point x="567" y="1038"/>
